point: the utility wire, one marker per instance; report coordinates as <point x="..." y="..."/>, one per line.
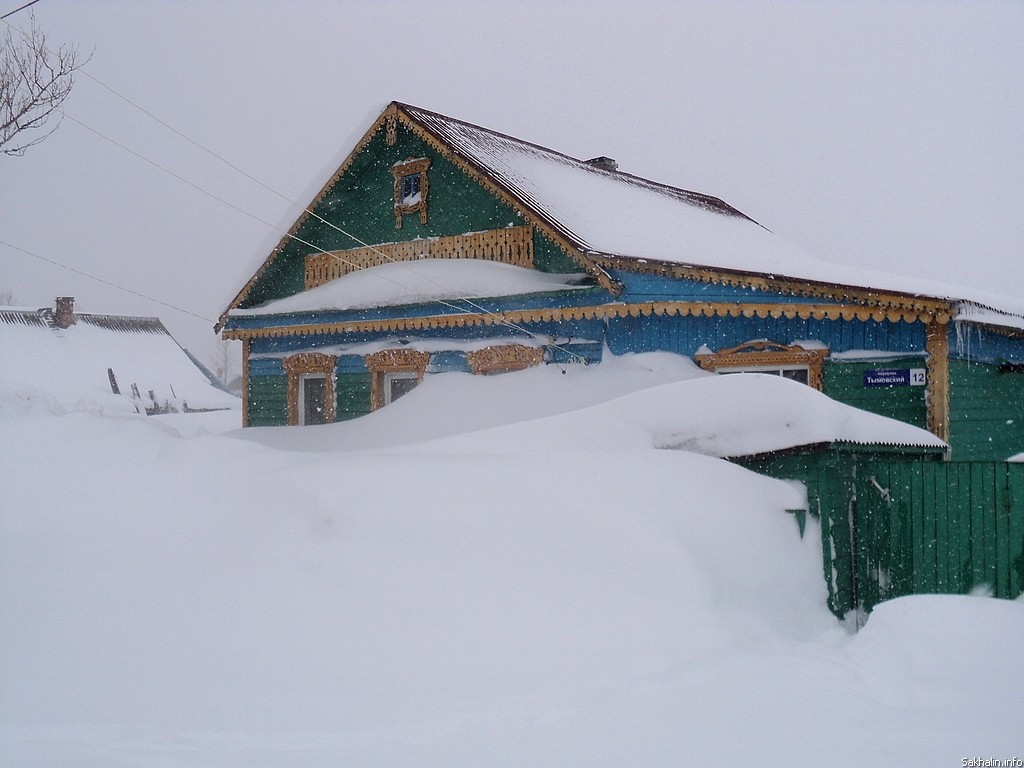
<point x="234" y="207"/>
<point x="105" y="282"/>
<point x="499" y="320"/>
<point x="11" y="13"/>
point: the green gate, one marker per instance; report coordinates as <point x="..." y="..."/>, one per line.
<point x="931" y="527"/>
<point x="894" y="525"/>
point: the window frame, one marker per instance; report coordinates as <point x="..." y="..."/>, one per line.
<point x="411" y="166"/>
<point x="309" y="363"/>
<point x="763" y="356"/>
<point x="393" y="361"/>
<point x="301" y="409"/>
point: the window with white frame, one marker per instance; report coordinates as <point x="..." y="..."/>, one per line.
<point x="793" y="361"/>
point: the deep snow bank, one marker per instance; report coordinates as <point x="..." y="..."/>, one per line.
<point x="489" y="598"/>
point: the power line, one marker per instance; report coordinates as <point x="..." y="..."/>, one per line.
<point x="499" y="320"/>
<point x="105" y="282"/>
<point x="11" y="13"/>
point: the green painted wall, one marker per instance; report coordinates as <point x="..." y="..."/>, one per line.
<point x="352" y="395"/>
<point x="362" y="204"/>
<point x="986" y="412"/>
<point x="844" y="381"/>
<point x="268" y="401"/>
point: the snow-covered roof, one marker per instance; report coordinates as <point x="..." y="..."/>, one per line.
<point x="614" y="213"/>
<point x="414" y="282"/>
<point x="68" y="367"/>
<point x="601" y="212"/>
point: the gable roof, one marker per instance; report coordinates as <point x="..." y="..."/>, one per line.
<point x="604" y="219"/>
<point x="68" y="366"/>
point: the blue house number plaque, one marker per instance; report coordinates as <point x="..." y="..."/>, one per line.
<point x="895" y="377"/>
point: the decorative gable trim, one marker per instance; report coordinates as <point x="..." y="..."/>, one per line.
<point x="885" y="301"/>
<point x="510" y="245"/>
<point x="388" y="121"/>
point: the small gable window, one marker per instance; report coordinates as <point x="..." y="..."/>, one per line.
<point x="411" y="188"/>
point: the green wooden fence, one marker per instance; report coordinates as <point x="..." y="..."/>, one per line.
<point x="894" y="525"/>
<point x="925" y="527"/>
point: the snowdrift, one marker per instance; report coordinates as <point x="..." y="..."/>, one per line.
<point x="557" y="591"/>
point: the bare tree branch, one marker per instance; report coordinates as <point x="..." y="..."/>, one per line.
<point x="34" y="82"/>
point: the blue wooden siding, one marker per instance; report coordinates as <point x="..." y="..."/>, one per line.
<point x="685" y="335"/>
<point x="976" y="344"/>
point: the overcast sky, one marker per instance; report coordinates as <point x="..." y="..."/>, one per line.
<point x="886" y="135"/>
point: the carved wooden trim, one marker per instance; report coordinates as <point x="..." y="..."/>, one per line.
<point x="388" y="361"/>
<point x="602" y="311"/>
<point x="766" y="353"/>
<point x="936" y="344"/>
<point x="504" y="357"/>
<point x="509" y="245"/>
<point x="409" y="167"/>
<point x="391" y="129"/>
<point x="309" y="362"/>
<point x="884" y="300"/>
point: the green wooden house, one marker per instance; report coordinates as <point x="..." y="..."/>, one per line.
<point x="439" y="245"/>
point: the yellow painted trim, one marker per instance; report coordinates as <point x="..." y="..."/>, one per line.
<point x="388" y="361"/>
<point x="881" y="299"/>
<point x="766" y="353"/>
<point x="602" y="311"/>
<point x="937" y="390"/>
<point x="500" y="358"/>
<point x="309" y="362"/>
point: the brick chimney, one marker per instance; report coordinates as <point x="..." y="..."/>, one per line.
<point x="64" y="311"/>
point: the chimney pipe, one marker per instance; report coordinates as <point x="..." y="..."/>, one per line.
<point x="64" y="307"/>
<point x="602" y="162"/>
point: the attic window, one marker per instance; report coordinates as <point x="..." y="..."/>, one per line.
<point x="791" y="362"/>
<point x="411" y="188"/>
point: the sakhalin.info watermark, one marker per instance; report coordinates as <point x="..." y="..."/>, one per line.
<point x="992" y="762"/>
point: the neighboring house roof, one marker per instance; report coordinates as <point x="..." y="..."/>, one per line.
<point x="67" y="360"/>
<point x="609" y="219"/>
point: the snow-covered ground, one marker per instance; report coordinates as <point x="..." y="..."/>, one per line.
<point x="527" y="587"/>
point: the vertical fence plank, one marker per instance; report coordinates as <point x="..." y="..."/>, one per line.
<point x="1015" y="494"/>
<point x="966" y="514"/>
<point x="977" y="525"/>
<point x="989" y="503"/>
<point x="923" y="570"/>
<point x="1000" y="482"/>
<point x="937" y="488"/>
